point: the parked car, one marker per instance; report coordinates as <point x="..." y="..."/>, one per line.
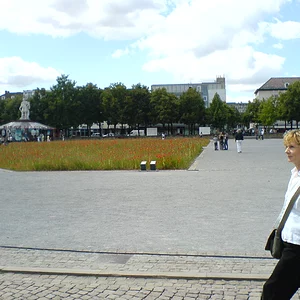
<point x="96" y="134"/>
<point x="108" y="135"/>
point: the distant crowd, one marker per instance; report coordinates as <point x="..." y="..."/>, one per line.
<point x="221" y="141"/>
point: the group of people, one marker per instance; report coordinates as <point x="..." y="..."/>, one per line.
<point x="259" y="134"/>
<point x="221" y="141"/>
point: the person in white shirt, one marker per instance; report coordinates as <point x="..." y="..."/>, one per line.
<point x="262" y="132"/>
<point x="216" y="142"/>
<point x="285" y="279"/>
<point x="238" y="139"/>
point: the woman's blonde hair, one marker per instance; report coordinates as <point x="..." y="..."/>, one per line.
<point x="292" y="136"/>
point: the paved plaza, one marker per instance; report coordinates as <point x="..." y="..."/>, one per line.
<point x="187" y="234"/>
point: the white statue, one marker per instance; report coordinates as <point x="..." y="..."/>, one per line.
<point x="24" y="109"/>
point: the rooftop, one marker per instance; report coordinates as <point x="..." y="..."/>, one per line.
<point x="277" y="83"/>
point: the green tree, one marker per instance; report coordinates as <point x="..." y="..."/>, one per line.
<point x="2" y="107"/>
<point x="291" y="100"/>
<point x="251" y="114"/>
<point x="233" y="117"/>
<point x="107" y="101"/>
<point x="10" y="109"/>
<point x="114" y="101"/>
<point x="90" y="106"/>
<point x="63" y="109"/>
<point x="192" y="109"/>
<point x="131" y="112"/>
<point x="268" y="112"/>
<point x="156" y="98"/>
<point x="38" y="106"/>
<point x="169" y="112"/>
<point x="217" y="113"/>
<point x="120" y="94"/>
<point x="165" y="108"/>
<point x="140" y="96"/>
<point x="283" y="109"/>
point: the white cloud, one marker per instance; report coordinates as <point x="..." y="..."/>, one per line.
<point x="119" y="53"/>
<point x="192" y="40"/>
<point x="107" y="19"/>
<point x="15" y="72"/>
<point x="244" y="68"/>
<point x="285" y="30"/>
<point x="278" y="46"/>
<point x="197" y="41"/>
<point x="239" y="98"/>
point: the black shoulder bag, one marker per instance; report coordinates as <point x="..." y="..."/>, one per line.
<point x="274" y="243"/>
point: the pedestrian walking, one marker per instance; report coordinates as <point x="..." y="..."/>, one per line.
<point x="221" y="139"/>
<point x="239" y="137"/>
<point x="226" y="141"/>
<point x="262" y="132"/>
<point x="257" y="134"/>
<point x="285" y="279"/>
<point x="216" y="142"/>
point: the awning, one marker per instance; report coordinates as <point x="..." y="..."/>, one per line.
<point x="25" y="124"/>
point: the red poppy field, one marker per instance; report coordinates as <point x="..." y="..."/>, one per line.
<point x="104" y="154"/>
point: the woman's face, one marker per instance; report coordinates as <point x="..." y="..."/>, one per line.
<point x="292" y="151"/>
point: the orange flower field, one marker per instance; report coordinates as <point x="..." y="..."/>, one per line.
<point x="101" y="154"/>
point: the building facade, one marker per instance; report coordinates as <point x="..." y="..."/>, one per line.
<point x="206" y="89"/>
<point x="274" y="86"/>
<point x="241" y="107"/>
<point x="9" y="95"/>
<point x="25" y="94"/>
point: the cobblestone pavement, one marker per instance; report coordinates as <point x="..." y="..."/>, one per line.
<point x="131" y="264"/>
<point x="49" y="274"/>
<point x="143" y="235"/>
<point x="17" y="286"/>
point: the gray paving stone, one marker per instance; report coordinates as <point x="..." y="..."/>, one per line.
<point x="122" y="211"/>
<point x="205" y="221"/>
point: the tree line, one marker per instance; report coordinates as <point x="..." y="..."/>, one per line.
<point x="66" y="105"/>
<point x="285" y="107"/>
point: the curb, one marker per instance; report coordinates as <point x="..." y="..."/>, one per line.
<point x="136" y="274"/>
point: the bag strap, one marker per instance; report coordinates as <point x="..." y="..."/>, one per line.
<point x="288" y="210"/>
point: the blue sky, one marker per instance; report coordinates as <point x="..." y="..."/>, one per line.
<point x="149" y="42"/>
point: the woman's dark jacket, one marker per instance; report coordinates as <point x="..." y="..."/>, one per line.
<point x="239" y="136"/>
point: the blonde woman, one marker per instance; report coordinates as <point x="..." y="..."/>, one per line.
<point x="285" y="279"/>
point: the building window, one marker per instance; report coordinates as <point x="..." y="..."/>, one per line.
<point x="286" y="85"/>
